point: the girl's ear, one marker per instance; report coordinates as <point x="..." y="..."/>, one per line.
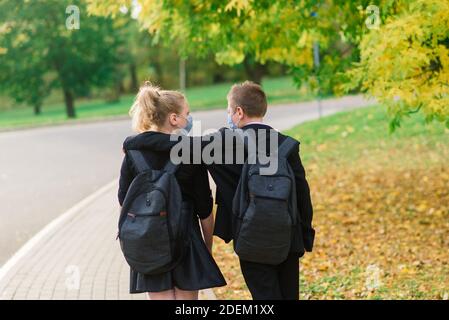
<point x="173" y="119"/>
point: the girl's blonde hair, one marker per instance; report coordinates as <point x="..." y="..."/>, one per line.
<point x="152" y="106"/>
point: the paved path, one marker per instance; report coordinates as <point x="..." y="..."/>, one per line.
<point x="82" y="240"/>
<point x="77" y="257"/>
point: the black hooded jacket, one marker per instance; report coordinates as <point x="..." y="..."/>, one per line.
<point x="193" y="179"/>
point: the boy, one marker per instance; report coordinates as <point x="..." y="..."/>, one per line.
<point x="247" y="106"/>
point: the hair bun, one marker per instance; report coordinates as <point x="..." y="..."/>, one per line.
<point x="152" y="106"/>
<point x="153" y="89"/>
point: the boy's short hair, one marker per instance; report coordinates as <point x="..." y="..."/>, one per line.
<point x="250" y="97"/>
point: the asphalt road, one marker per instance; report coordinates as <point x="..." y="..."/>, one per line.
<point x="45" y="171"/>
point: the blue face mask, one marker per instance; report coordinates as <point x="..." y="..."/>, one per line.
<point x="231" y="123"/>
<point x="189" y="124"/>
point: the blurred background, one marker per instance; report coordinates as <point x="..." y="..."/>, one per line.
<point x="69" y="71"/>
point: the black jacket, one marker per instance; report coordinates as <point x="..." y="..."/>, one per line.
<point x="226" y="177"/>
<point x="193" y="180"/>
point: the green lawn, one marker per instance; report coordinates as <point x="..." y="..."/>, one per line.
<point x="348" y="136"/>
<point x="279" y="90"/>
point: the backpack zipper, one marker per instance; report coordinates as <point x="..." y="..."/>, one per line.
<point x="162" y="213"/>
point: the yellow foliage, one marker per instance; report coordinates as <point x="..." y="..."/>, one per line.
<point x="230" y="55"/>
<point x="238" y="5"/>
<point x="111" y="8"/>
<point x="405" y="65"/>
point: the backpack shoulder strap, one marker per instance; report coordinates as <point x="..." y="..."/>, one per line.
<point x="139" y="160"/>
<point x="170" y="167"/>
<point x="287" y="147"/>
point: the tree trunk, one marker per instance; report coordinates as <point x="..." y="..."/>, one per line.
<point x="255" y="71"/>
<point x="69" y="99"/>
<point x="159" y="71"/>
<point x="69" y="96"/>
<point x="37" y="109"/>
<point x="114" y="96"/>
<point x="121" y="88"/>
<point x="182" y="74"/>
<point x="218" y="75"/>
<point x="134" y="80"/>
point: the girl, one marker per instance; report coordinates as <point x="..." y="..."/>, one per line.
<point x="155" y="115"/>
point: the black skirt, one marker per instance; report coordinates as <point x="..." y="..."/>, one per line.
<point x="196" y="271"/>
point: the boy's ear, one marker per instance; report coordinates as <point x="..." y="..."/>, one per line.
<point x="240" y="111"/>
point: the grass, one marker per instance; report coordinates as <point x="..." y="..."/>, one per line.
<point x="347" y="136"/>
<point x="381" y="210"/>
<point x="279" y="90"/>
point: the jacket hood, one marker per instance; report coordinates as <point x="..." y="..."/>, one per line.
<point x="151" y="140"/>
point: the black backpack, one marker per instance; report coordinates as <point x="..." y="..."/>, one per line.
<point x="265" y="210"/>
<point x="152" y="224"/>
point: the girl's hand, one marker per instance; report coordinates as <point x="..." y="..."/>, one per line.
<point x="207" y="226"/>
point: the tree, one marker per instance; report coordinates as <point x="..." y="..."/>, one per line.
<point x="245" y="32"/>
<point x="41" y="53"/>
<point x="405" y="63"/>
<point x="23" y="81"/>
<point x="285" y="31"/>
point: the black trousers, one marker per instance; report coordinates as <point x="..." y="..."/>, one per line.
<point x="273" y="282"/>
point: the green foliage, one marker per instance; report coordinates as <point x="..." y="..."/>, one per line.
<point x="39" y="53"/>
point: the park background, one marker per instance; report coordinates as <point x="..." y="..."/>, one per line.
<point x="379" y="175"/>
